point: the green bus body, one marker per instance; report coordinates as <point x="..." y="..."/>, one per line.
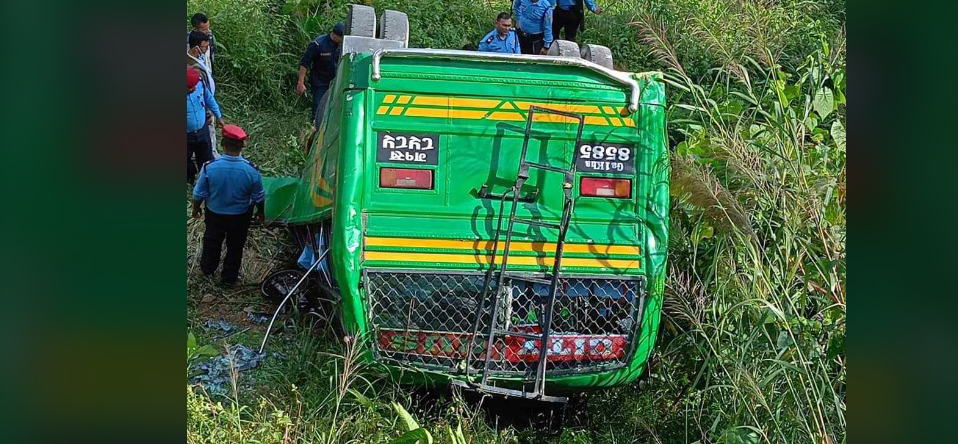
<point x="477" y="109"/>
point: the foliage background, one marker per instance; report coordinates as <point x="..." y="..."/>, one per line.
<point x="753" y="341"/>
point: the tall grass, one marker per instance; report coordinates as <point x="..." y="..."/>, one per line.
<point x="260" y="42"/>
<point x="756" y="301"/>
<point x="752" y="347"/>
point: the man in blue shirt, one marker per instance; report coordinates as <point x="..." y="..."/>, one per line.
<point x="197" y="56"/>
<point x="502" y="39"/>
<point x="534" y="25"/>
<point x="199" y="99"/>
<point x="569" y="14"/>
<point x="321" y="59"/>
<point x="231" y="186"/>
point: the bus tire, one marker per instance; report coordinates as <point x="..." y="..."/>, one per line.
<point x="598" y="54"/>
<point x="394" y="25"/>
<point x="564" y="48"/>
<point x="361" y="21"/>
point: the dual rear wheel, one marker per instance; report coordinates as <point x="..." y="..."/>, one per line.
<point x="393" y="25"/>
<point x="598" y="54"/>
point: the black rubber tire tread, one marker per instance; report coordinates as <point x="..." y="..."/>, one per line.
<point x="394" y="25"/>
<point x="598" y="54"/>
<point x="361" y="21"/>
<point x="564" y="48"/>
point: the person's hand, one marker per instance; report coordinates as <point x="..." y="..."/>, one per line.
<point x="544" y="51"/>
<point x="300" y="89"/>
<point x="197" y="213"/>
<point x="220" y="123"/>
<point x="259" y="218"/>
<point x="598" y="11"/>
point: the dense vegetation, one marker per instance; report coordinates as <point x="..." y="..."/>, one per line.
<point x="752" y="347"/>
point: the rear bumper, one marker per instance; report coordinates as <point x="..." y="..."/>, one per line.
<point x="425" y="320"/>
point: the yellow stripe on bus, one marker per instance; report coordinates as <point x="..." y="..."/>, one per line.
<point x="513" y="260"/>
<point x="542" y="247"/>
<point x="451" y="108"/>
<point x="446" y="113"/>
<point x="564" y="107"/>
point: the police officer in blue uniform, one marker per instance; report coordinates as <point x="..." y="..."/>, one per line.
<point x="534" y="25"/>
<point x="232" y="187"/>
<point x="502" y="39"/>
<point x="570" y="14"/>
<point x="321" y="59"/>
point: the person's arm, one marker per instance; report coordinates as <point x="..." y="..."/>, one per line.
<point x="212" y="105"/>
<point x="259" y="197"/>
<point x="197" y="209"/>
<point x="515" y="12"/>
<point x="483" y="46"/>
<point x="304" y="64"/>
<point x="592" y="7"/>
<point x="547" y="24"/>
<point x="301" y="83"/>
<point x="212" y="51"/>
<point x="201" y="192"/>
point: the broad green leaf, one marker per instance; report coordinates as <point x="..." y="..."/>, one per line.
<point x="417" y="436"/>
<point x="206" y="350"/>
<point x="793" y="91"/>
<point x="838" y="134"/>
<point x="411" y="423"/>
<point x="824" y="102"/>
<point x="362" y="399"/>
<point x="190" y="341"/>
<point x="740" y="435"/>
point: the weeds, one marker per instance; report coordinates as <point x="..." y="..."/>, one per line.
<point x="752" y="348"/>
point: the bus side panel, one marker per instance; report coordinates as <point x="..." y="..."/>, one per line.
<point x="347" y="233"/>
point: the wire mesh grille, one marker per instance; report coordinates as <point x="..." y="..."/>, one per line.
<point x="426" y="319"/>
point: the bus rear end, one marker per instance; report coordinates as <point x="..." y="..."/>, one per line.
<point x="442" y="135"/>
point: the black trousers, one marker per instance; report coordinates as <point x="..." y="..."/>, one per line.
<point x="531" y="43"/>
<point x="231" y="228"/>
<point x="198" y="145"/>
<point x="568" y="19"/>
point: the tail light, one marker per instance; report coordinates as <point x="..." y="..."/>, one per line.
<point x="603" y="187"/>
<point x="405" y="178"/>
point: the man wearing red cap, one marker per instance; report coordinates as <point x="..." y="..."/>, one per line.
<point x="199" y="98"/>
<point x="232" y="187"/>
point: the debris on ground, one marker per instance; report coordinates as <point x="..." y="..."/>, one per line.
<point x="215" y="374"/>
<point x="257" y="318"/>
<point x="221" y="325"/>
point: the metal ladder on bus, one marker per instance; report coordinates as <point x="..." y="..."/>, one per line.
<point x="495" y="330"/>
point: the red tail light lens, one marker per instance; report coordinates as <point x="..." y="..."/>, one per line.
<point x="405" y="178"/>
<point x="603" y="187"/>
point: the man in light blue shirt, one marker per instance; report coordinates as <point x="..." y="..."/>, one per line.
<point x="232" y="187"/>
<point x="534" y="25"/>
<point x="570" y="14"/>
<point x="502" y="39"/>
<point x="198" y="143"/>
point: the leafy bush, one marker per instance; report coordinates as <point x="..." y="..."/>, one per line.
<point x="752" y="347"/>
<point x="755" y="314"/>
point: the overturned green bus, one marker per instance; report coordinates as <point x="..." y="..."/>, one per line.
<point x="497" y="222"/>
